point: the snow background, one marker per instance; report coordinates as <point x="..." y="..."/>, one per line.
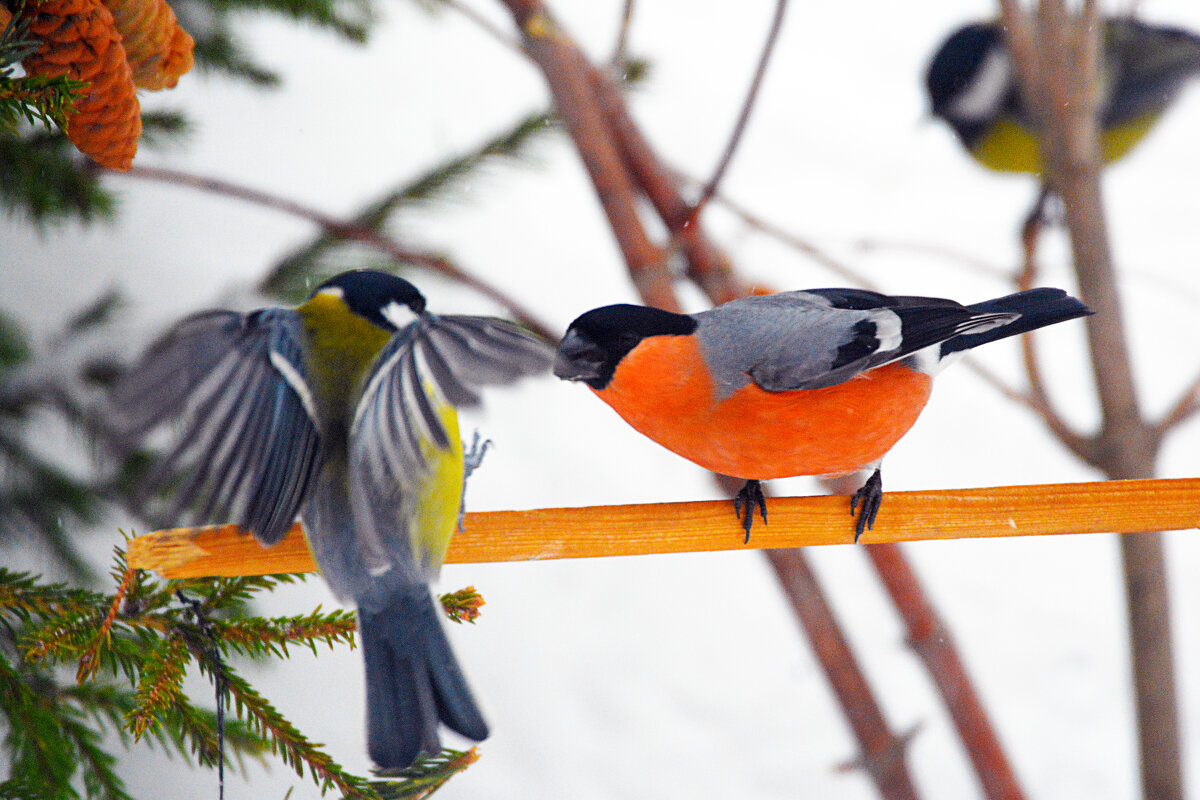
<point x="684" y="676"/>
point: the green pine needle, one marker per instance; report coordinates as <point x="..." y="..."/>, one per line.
<point x="293" y="277"/>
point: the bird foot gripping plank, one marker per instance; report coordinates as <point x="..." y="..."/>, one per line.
<point x="750" y="497"/>
<point x="821" y="382"/>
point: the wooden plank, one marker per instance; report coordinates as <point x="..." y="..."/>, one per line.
<point x="590" y="532"/>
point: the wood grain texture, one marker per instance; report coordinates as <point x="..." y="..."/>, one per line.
<point x="590" y="532"/>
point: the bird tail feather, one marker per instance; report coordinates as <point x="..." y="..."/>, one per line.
<point x="413" y="681"/>
<point x="1037" y="308"/>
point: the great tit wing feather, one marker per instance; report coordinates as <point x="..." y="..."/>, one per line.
<point x="246" y="439"/>
<point x="398" y="428"/>
<point x="165" y="376"/>
<point x="390" y="440"/>
<point x="465" y="353"/>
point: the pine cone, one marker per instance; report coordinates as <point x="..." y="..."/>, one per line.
<point x="80" y="39"/>
<point x="159" y="51"/>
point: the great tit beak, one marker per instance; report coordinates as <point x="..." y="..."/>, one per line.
<point x="578" y="359"/>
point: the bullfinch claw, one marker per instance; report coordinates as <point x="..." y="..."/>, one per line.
<point x="871" y="497"/>
<point x="750" y="497"/>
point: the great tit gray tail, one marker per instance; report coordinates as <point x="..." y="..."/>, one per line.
<point x="413" y="681"/>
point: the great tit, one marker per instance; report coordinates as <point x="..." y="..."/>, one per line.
<point x="972" y="86"/>
<point x="818" y="382"/>
<point x="341" y="411"/>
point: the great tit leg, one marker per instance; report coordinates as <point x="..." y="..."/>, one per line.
<point x="750" y="497"/>
<point x="870" y="494"/>
<point x="472" y="458"/>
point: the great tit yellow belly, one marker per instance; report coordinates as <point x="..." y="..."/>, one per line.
<point x="342" y="412"/>
<point x="973" y="87"/>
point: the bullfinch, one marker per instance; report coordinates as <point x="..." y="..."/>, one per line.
<point x="817" y="382"/>
<point x="341" y="411"/>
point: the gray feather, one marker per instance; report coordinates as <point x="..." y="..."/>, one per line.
<point x="246" y="448"/>
<point x="781" y="342"/>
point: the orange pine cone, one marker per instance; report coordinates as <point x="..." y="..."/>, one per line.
<point x="80" y="39"/>
<point x="5" y="18"/>
<point x="159" y="51"/>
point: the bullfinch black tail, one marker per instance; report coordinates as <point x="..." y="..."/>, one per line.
<point x="413" y="682"/>
<point x="1037" y="307"/>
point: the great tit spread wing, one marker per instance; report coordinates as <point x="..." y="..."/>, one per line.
<point x="465" y="353"/>
<point x="246" y="443"/>
<point x="398" y="428"/>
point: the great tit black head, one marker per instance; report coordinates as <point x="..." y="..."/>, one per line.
<point x="972" y="86"/>
<point x="377" y="296"/>
<point x="958" y="65"/>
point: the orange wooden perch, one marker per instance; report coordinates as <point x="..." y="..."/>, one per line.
<point x="1109" y="506"/>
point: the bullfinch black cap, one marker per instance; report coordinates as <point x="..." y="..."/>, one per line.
<point x="598" y="340"/>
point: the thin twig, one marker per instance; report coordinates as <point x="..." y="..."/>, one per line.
<point x="1059" y="83"/>
<point x="931" y="640"/>
<point x="1187" y="405"/>
<point x="486" y="25"/>
<point x="568" y="74"/>
<point x="342" y="228"/>
<point x="621" y="48"/>
<point x="796" y="242"/>
<point x="707" y="266"/>
<point x="882" y="751"/>
<point x="743" y="117"/>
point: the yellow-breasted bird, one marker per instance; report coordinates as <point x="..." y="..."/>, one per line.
<point x="973" y="87"/>
<point x="341" y="411"/>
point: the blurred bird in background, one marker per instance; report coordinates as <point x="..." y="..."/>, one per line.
<point x="972" y="85"/>
<point x="341" y="411"/>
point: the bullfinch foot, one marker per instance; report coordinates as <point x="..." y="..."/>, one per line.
<point x="750" y="497"/>
<point x="871" y="497"/>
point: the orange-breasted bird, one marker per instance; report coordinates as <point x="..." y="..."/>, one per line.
<point x="817" y="382"/>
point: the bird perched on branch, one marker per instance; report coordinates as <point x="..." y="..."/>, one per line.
<point x="819" y="382"/>
<point x="341" y="411"/>
<point x="972" y="85"/>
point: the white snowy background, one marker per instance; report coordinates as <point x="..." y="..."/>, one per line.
<point x="685" y="676"/>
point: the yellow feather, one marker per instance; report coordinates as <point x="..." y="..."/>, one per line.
<point x="1008" y="147"/>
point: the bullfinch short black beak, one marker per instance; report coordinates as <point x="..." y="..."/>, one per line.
<point x="578" y="359"/>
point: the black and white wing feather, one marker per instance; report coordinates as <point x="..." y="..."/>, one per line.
<point x="398" y="430"/>
<point x="246" y="443"/>
<point x="822" y="337"/>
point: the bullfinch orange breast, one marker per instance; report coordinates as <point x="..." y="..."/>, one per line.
<point x="817" y="382"/>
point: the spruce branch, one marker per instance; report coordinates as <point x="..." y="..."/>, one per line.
<point x="333" y="250"/>
<point x="426" y="776"/>
<point x="259" y="638"/>
<point x="463" y="605"/>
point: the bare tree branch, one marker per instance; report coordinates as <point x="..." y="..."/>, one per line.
<point x="932" y="641"/>
<point x="339" y="227"/>
<point x="744" y="116"/>
<point x="883" y="752"/>
<point x="1056" y="54"/>
<point x="1187" y="405"/>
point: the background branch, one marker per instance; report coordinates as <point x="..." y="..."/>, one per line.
<point x="1056" y="54"/>
<point x="343" y="229"/>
